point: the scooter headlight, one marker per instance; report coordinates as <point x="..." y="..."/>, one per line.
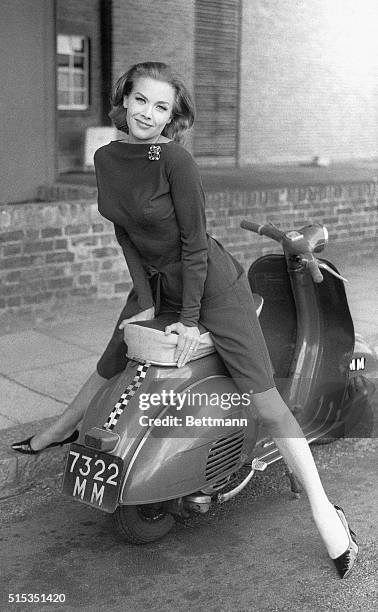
<point x="322" y="239"/>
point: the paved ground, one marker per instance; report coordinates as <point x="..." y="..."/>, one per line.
<point x="257" y="553"/>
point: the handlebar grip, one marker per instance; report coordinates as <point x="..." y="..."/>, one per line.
<point x="313" y="267"/>
<point x="251" y="226"/>
<point x="264" y="230"/>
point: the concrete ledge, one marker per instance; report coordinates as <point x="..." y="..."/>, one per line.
<point x="19" y="472"/>
<point x="250" y="177"/>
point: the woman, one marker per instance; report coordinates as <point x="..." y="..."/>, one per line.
<point x="149" y="187"/>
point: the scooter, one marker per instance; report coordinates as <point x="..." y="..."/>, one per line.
<point x="160" y="441"/>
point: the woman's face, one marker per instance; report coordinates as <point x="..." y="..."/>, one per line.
<point x="149" y="109"/>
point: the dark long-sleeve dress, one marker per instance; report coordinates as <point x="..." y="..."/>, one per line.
<point x="157" y="207"/>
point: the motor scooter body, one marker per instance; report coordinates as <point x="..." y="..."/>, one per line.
<point x="317" y="359"/>
<point x="311" y="354"/>
<point x="158" y="440"/>
<point x="170" y="449"/>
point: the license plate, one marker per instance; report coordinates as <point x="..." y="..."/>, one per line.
<point x="93" y="477"/>
<point x="357" y="364"/>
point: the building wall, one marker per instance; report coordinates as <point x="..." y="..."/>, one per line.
<point x="153" y="30"/>
<point x="82" y="18"/>
<point x="56" y="251"/>
<point x="27" y="123"/>
<point x="146" y="30"/>
<point x="309" y="80"/>
<point x="121" y="32"/>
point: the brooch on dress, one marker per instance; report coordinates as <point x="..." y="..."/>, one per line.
<point x="154" y="152"/>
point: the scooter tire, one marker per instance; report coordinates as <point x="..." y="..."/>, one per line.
<point x="142" y="524"/>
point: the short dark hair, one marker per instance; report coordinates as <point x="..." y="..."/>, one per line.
<point x="183" y="112"/>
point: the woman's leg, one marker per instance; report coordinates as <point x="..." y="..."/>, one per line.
<point x="112" y="361"/>
<point x="67" y="422"/>
<point x="288" y="436"/>
<point x="238" y="338"/>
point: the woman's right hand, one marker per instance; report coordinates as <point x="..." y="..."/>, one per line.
<point x="145" y="315"/>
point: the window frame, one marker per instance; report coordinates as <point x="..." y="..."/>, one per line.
<point x="71" y="71"/>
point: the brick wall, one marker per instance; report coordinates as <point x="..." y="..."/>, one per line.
<point x="144" y="30"/>
<point x="349" y="211"/>
<point x="149" y="30"/>
<point x="158" y="31"/>
<point x="56" y="251"/>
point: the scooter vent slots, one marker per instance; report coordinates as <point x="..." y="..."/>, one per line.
<point x="224" y="455"/>
<point x="126" y="396"/>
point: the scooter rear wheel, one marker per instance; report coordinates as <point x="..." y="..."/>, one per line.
<point x="144" y="523"/>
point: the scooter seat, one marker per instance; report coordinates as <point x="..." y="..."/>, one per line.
<point x="147" y="342"/>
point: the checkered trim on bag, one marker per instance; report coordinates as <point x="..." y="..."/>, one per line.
<point x="130" y="390"/>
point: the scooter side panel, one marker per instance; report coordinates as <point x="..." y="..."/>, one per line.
<point x="191" y="448"/>
<point x="170" y="451"/>
<point x="269" y="278"/>
<point x="157" y="380"/>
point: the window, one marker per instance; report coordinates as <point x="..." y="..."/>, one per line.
<point x="73" y="69"/>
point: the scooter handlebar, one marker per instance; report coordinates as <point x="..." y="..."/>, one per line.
<point x="268" y="229"/>
<point x="313" y="267"/>
<point x="299" y="240"/>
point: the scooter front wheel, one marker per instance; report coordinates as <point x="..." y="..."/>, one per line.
<point x="144" y="523"/>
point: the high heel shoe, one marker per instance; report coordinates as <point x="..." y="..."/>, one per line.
<point x="25" y="448"/>
<point x="345" y="562"/>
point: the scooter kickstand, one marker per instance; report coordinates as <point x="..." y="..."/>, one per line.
<point x="295" y="485"/>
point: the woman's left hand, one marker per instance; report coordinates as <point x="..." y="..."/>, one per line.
<point x="187" y="342"/>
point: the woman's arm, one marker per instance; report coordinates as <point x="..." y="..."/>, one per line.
<point x="189" y="203"/>
<point x="137" y="272"/>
